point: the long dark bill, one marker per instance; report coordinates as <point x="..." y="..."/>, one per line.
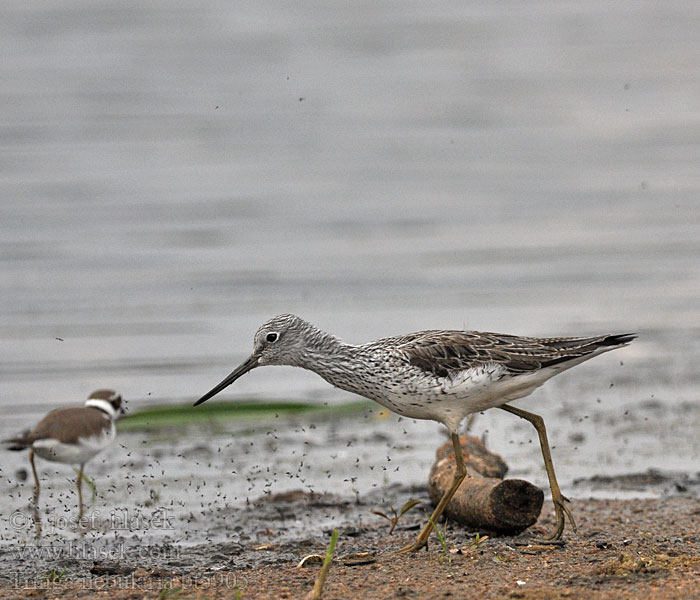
<point x="249" y="364"/>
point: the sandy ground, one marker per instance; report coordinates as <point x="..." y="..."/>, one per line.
<point x="623" y="549"/>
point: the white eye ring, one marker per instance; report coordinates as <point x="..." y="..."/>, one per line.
<point x="272" y="337"/>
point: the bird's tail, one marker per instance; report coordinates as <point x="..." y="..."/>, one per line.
<point x="619" y="339"/>
<point x="21" y="442"/>
<point x="573" y="351"/>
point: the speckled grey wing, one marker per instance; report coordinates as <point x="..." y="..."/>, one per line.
<point x="444" y="352"/>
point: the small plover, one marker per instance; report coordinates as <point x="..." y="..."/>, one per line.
<point x="72" y="435"/>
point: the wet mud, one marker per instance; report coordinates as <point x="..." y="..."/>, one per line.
<point x="229" y="509"/>
<point x="627" y="548"/>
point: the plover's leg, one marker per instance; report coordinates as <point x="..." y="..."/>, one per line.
<point x="80" y="492"/>
<point x="460" y="474"/>
<point x="37" y="488"/>
<point x="560" y="507"/>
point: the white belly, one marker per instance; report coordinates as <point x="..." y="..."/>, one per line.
<point x="451" y="400"/>
<point x="75" y="454"/>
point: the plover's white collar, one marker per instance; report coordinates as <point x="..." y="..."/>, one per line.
<point x="104" y="406"/>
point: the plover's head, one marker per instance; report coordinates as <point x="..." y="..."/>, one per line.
<point x="108" y="401"/>
<point x="279" y="341"/>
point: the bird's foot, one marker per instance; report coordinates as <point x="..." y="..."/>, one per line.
<point x="414" y="547"/>
<point x="561" y="510"/>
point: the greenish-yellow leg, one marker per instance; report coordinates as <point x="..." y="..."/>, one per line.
<point x="560" y="507"/>
<point x="460" y="474"/>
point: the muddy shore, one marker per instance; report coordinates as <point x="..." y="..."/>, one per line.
<point x="623" y="549"/>
<point x="227" y="509"/>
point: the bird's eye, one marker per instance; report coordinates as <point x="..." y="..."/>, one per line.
<point x="271" y="337"/>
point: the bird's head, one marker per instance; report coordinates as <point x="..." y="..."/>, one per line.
<point x="279" y="341"/>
